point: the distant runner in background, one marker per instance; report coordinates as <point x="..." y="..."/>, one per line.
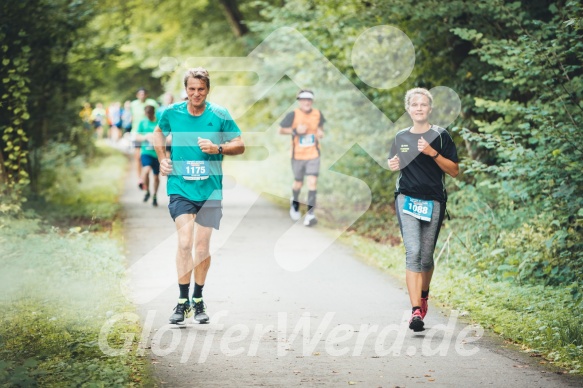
<point x="137" y="107"/>
<point x="148" y="157"/>
<point x="306" y="127"/>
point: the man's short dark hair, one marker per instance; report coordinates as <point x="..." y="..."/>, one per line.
<point x="198" y="73"/>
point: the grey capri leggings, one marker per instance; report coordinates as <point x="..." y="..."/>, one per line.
<point x="419" y="236"/>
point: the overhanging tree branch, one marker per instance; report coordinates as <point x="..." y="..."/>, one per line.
<point x="234" y="17"/>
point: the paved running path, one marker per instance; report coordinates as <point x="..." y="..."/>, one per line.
<point x="338" y="322"/>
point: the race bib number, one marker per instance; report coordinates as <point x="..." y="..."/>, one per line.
<point x="418" y="208"/>
<point x="195" y="170"/>
<point x="307" y="140"/>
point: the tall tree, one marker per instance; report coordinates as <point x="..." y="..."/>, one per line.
<point x="234" y="17"/>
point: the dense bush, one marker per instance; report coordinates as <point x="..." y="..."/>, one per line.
<point x="517" y="69"/>
<point x="532" y="178"/>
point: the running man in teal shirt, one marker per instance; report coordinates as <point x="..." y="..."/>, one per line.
<point x="148" y="157"/>
<point x="202" y="132"/>
<point x="137" y="107"/>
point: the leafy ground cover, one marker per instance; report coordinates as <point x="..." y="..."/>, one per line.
<point x="59" y="285"/>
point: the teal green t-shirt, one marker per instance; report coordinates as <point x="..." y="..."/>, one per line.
<point x="146" y="126"/>
<point x="138" y="114"/>
<point x="197" y="176"/>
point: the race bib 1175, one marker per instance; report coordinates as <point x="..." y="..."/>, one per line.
<point x="194" y="170"/>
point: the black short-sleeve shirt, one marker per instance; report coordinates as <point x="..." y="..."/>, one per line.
<point x="420" y="176"/>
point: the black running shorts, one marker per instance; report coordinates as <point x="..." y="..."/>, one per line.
<point x="208" y="213"/>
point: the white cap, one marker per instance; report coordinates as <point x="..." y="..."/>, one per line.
<point x="306" y="95"/>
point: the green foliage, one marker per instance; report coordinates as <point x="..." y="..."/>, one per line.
<point x="550" y="323"/>
<point x="49" y="337"/>
<point x="13" y="105"/>
<point x="161" y="38"/>
<point x="55" y="346"/>
<point x="34" y="90"/>
<point x="532" y="175"/>
<point x="512" y="245"/>
<point x="45" y="90"/>
<point x="75" y="186"/>
<point x="86" y="51"/>
<point x="26" y="374"/>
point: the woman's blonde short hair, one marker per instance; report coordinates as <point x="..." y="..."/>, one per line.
<point x="410" y="93"/>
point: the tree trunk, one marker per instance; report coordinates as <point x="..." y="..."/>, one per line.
<point x="3" y="176"/>
<point x="234" y="17"/>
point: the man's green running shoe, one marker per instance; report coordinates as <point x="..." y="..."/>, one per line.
<point x="181" y="312"/>
<point x="200" y="314"/>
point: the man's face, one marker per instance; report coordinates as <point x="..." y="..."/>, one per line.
<point x="141" y="95"/>
<point x="305" y="104"/>
<point x="196" y="90"/>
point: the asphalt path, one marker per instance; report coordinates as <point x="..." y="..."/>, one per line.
<point x="284" y="316"/>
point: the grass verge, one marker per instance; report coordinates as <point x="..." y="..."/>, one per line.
<point x="60" y="284"/>
<point x="542" y="321"/>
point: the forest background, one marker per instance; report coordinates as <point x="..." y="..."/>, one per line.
<point x="514" y="257"/>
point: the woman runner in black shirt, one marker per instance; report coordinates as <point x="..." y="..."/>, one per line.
<point x="423" y="154"/>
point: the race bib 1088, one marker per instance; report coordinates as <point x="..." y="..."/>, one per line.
<point x="418" y="208"/>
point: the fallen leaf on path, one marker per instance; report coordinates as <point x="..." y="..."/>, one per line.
<point x="351" y="383"/>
